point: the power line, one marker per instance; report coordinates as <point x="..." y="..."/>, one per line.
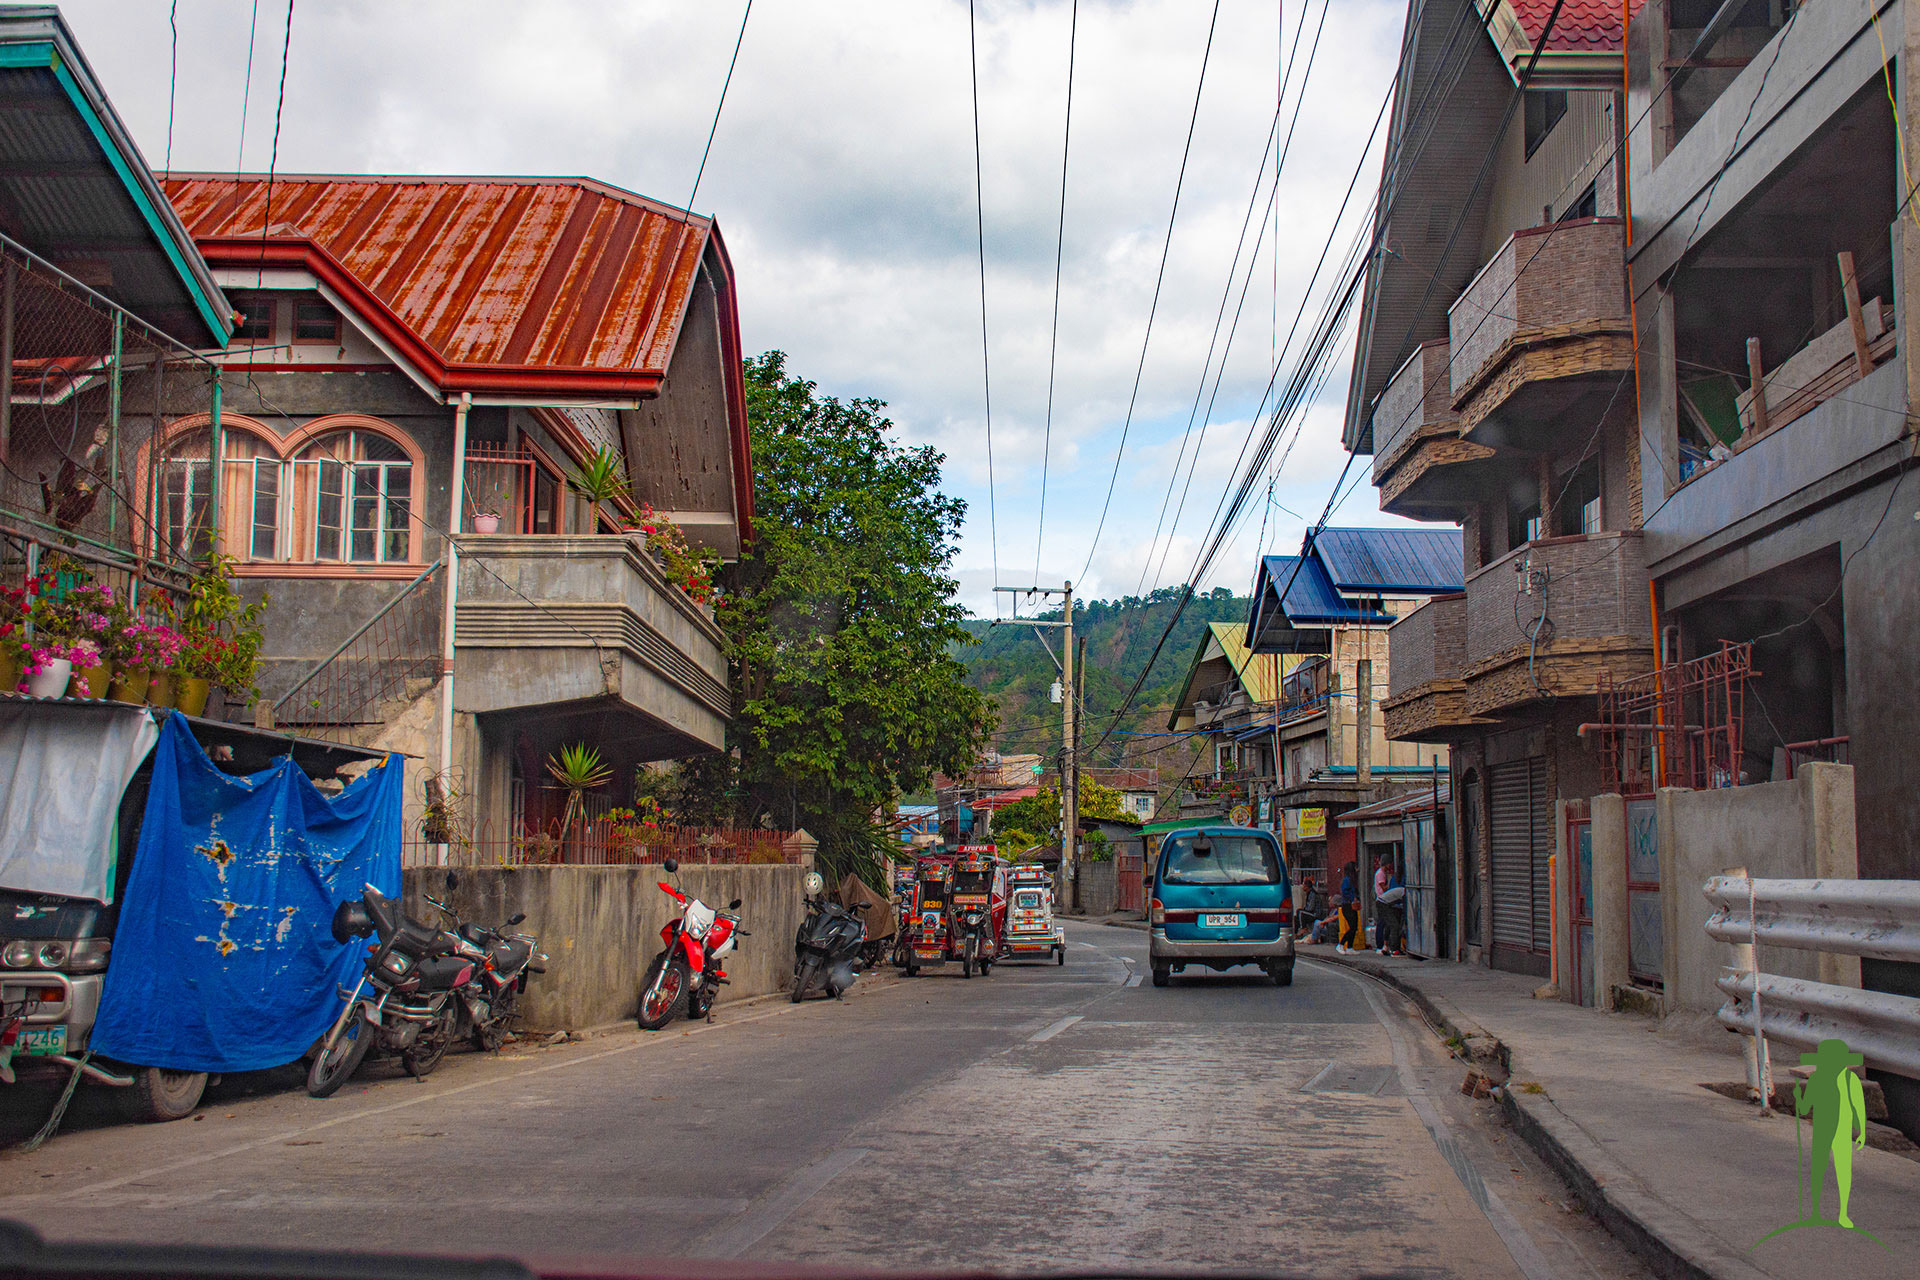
<point x="980" y="230"/>
<point x="1059" y="245"/>
<point x="173" y="73"/>
<point x="246" y="96"/>
<point x="719" y="106"/>
<point x="1159" y="279"/>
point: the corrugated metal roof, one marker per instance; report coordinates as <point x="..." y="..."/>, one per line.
<point x="530" y="273"/>
<point x="1392" y="561"/>
<point x="1408" y="804"/>
<point x="1312" y="598"/>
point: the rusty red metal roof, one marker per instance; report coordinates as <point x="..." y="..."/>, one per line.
<point x="486" y="276"/>
<point x="1583" y="25"/>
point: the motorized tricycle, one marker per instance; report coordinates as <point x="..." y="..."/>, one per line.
<point x="1032" y="933"/>
<point x="977" y="914"/>
<point x="926" y="927"/>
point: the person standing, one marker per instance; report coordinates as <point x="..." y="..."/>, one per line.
<point x="1381" y="914"/>
<point x="1393" y="916"/>
<point x="1349" y="936"/>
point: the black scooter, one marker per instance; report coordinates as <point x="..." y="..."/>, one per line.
<point x="827" y="944"/>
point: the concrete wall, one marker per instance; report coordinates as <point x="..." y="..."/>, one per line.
<point x="600" y="927"/>
<point x="1099" y="891"/>
<point x="1788" y="830"/>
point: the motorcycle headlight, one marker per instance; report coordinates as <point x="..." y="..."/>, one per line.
<point x="698" y="929"/>
<point x="396" y="963"/>
<point x="18" y="955"/>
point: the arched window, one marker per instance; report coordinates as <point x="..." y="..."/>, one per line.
<point x="338" y="491"/>
<point x="353" y="497"/>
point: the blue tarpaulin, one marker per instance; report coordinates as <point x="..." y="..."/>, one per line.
<point x="223" y="959"/>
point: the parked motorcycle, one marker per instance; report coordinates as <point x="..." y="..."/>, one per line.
<point x="828" y="942"/>
<point x="686" y="975"/>
<point x="489" y="1002"/>
<point x="411" y="976"/>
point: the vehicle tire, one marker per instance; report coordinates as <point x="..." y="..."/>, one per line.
<point x="424" y="1054"/>
<point x="1059" y="955"/>
<point x="671" y="999"/>
<point x="340" y="1054"/>
<point x="1282" y="974"/>
<point x="159" y="1094"/>
<point x="1162" y="975"/>
<point x="803" y="978"/>
<point x="489" y="1038"/>
<point x="913" y="969"/>
<point x="966" y="959"/>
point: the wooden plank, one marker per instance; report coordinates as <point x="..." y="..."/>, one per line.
<point x="1809" y="365"/>
<point x="1850" y="286"/>
<point x="1758" y="383"/>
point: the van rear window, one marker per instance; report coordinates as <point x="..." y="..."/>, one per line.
<point x="1230" y="860"/>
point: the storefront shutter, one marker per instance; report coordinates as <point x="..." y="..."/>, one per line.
<point x="1510" y="845"/>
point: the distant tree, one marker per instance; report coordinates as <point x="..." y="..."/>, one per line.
<point x="842" y="622"/>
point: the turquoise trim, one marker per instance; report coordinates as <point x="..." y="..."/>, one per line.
<point x="43" y="54"/>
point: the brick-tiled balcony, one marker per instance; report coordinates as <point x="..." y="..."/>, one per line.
<point x="1426" y="665"/>
<point x="1418" y="455"/>
<point x="1591" y="591"/>
<point x="1539" y="342"/>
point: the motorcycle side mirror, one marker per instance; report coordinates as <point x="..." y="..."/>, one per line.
<point x="453" y="882"/>
<point x="516" y="918"/>
<point x="671" y="865"/>
<point x="734" y="905"/>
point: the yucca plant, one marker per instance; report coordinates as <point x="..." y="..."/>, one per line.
<point x="602" y="478"/>
<point x="577" y="769"/>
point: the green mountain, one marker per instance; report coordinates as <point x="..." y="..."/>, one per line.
<point x="1011" y="666"/>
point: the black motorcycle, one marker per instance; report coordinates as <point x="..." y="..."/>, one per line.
<point x="827" y="944"/>
<point x="411" y="976"/>
<point x="490" y="1000"/>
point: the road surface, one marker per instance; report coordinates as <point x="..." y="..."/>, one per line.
<point x="1043" y="1118"/>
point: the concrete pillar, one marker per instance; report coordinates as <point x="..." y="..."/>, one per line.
<point x="1608" y="898"/>
<point x="1836" y="855"/>
<point x="1671" y="890"/>
<point x="1906" y="238"/>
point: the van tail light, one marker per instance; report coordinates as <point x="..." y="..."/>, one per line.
<point x="1156" y="911"/>
<point x="1286" y="914"/>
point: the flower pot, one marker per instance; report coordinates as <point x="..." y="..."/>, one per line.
<point x="9" y="672"/>
<point x="486" y="523"/>
<point x="160" y="692"/>
<point x="190" y="694"/>
<point x="92" y="682"/>
<point x="130" y="684"/>
<point x="51" y="680"/>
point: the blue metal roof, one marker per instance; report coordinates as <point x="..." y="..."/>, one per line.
<point x="1312" y="599"/>
<point x="1392" y="561"/>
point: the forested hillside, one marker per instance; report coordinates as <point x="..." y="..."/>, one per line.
<point x="1012" y="668"/>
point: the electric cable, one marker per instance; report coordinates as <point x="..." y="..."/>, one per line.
<point x="1059" y="247"/>
<point x="980" y="230"/>
<point x="720" y="106"/>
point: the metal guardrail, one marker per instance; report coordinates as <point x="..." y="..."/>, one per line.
<point x="1877" y="919"/>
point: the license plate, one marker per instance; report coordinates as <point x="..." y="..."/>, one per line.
<point x="1216" y="920"/>
<point x="926" y="955"/>
<point x="43" y="1040"/>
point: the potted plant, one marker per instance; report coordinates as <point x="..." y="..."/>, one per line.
<point x="48" y="667"/>
<point x="10" y="656"/>
<point x="689" y="569"/>
<point x="102" y="620"/>
<point x="89" y="672"/>
<point x="142" y="650"/>
<point x="602" y="479"/>
<point x="222" y="639"/>
<point x="577" y="769"/>
<point x="486" y="514"/>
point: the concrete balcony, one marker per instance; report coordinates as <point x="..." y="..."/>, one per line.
<point x="585" y="626"/>
<point x="1584" y="610"/>
<point x="1541" y="338"/>
<point x="1419" y="459"/>
<point x="1426" y="666"/>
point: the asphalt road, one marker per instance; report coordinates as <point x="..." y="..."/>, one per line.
<point x="1041" y="1119"/>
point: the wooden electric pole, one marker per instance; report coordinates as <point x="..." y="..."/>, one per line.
<point x="1069" y="763"/>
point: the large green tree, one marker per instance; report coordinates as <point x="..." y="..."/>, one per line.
<point x="841" y="616"/>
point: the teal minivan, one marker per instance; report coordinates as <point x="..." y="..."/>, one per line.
<point x="1220" y="896"/>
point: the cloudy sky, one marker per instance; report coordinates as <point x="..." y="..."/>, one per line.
<point x="842" y="177"/>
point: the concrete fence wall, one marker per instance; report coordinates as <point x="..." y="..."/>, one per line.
<point x="600" y="928"/>
<point x="1794" y="830"/>
<point x="1098" y="891"/>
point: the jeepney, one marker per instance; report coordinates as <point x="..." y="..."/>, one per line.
<point x="1032" y="933"/>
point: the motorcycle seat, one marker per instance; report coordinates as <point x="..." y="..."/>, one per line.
<point x="423" y="941"/>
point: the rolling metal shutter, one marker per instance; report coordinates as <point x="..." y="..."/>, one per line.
<point x="1520" y="839"/>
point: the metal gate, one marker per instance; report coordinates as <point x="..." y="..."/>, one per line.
<point x="1646" y="930"/>
<point x="1580" y="840"/>
<point x="1423" y="898"/>
<point x="1521" y="840"/>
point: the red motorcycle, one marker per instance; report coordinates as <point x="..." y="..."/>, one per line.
<point x="686" y="975"/>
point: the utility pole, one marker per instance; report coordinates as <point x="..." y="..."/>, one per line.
<point x="1069" y="764"/>
<point x="1073" y="757"/>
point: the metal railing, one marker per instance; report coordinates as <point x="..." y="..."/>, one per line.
<point x="1876" y="919"/>
<point x="349" y="687"/>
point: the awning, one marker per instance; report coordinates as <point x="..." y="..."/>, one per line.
<point x="1412" y="804"/>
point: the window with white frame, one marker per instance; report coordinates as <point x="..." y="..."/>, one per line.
<point x="345" y="498"/>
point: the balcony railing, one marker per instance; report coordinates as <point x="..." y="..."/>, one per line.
<point x="1428" y="644"/>
<point x="1416" y="404"/>
<point x="556" y="619"/>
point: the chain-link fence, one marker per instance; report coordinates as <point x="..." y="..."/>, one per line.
<point x="90" y="389"/>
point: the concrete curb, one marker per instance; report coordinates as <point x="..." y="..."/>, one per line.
<point x="1669" y="1241"/>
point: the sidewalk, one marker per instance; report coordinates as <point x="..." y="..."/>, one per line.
<point x="1689" y="1179"/>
